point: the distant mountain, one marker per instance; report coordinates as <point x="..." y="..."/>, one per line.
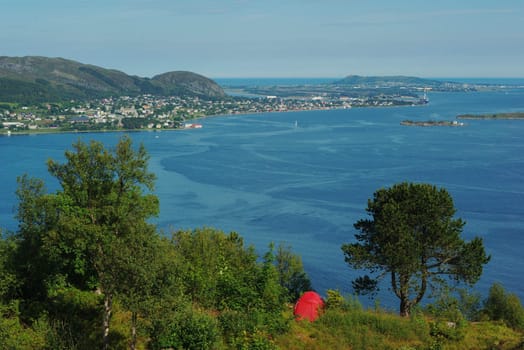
<point x="40" y="79"/>
<point x="174" y="83"/>
<point x="394" y="81"/>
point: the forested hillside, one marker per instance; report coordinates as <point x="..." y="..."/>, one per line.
<point x="34" y="79"/>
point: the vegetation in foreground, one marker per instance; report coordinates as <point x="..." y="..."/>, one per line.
<point x="86" y="270"/>
<point x="413" y="239"/>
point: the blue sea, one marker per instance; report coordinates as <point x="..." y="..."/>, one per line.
<point x="304" y="178"/>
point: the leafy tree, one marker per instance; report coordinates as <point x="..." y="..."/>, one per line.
<point x="503" y="306"/>
<point x="135" y="269"/>
<point x="291" y="273"/>
<point x="14" y="334"/>
<point x="188" y="329"/>
<point x="8" y="280"/>
<point x="86" y="233"/>
<point x="105" y="207"/>
<point x="220" y="273"/>
<point x="413" y="237"/>
<point x="135" y="123"/>
<point x="271" y="291"/>
<point x="37" y="263"/>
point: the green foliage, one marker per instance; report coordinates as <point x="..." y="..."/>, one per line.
<point x="364" y="285"/>
<point x="503" y="306"/>
<point x="222" y="274"/>
<point x="92" y="233"/>
<point x="446" y="307"/>
<point x="251" y="330"/>
<point x="291" y="273"/>
<point x="14" y="335"/>
<point x="448" y="322"/>
<point x="190" y="329"/>
<point x="443" y="331"/>
<point x="74" y="317"/>
<point x="469" y="304"/>
<point x="359" y="329"/>
<point x="413" y="238"/>
<point x="8" y="280"/>
<point x="219" y="273"/>
<point x="135" y="123"/>
<point x="36" y="256"/>
<point x="218" y="270"/>
<point x="334" y="299"/>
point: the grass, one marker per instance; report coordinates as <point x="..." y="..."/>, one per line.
<point x="358" y="329"/>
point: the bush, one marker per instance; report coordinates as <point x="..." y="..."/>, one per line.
<point x="189" y="330"/>
<point x="73" y="318"/>
<point x="251" y="330"/>
<point x="14" y="335"/>
<point x="334" y="299"/>
<point x="500" y="306"/>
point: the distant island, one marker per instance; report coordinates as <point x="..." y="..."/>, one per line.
<point x="402" y="82"/>
<point x="431" y="123"/>
<point x="496" y="116"/>
<point x="396" y="90"/>
<point x="513" y="115"/>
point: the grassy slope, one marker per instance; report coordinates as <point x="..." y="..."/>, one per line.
<point x="359" y="329"/>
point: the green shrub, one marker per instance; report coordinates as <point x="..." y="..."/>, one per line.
<point x="501" y="306"/>
<point x="74" y="318"/>
<point x="246" y="329"/>
<point x="14" y="335"/>
<point x="192" y="330"/>
<point x="447" y="331"/>
<point x="334" y="299"/>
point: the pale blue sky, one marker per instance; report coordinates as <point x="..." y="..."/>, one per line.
<point x="273" y="38"/>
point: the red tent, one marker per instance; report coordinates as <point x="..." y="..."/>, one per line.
<point x="307" y="307"/>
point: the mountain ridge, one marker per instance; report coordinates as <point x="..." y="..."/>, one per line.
<point x="46" y="79"/>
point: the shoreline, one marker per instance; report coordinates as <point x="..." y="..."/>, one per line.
<point x="55" y="131"/>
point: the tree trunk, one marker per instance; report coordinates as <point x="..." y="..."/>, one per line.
<point x="405" y="306"/>
<point x="108" y="308"/>
<point x="133" y="330"/>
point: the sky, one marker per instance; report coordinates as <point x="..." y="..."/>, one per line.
<point x="273" y="38"/>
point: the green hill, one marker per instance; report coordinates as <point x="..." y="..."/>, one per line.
<point x="39" y="79"/>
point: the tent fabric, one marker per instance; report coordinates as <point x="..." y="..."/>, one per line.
<point x="308" y="306"/>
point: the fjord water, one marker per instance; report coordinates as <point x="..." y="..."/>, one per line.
<point x="304" y="178"/>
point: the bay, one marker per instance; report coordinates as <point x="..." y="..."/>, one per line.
<point x="304" y="178"/>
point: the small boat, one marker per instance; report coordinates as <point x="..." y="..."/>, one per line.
<point x="192" y="126"/>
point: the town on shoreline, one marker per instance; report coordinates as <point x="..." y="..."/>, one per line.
<point x="149" y="112"/>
